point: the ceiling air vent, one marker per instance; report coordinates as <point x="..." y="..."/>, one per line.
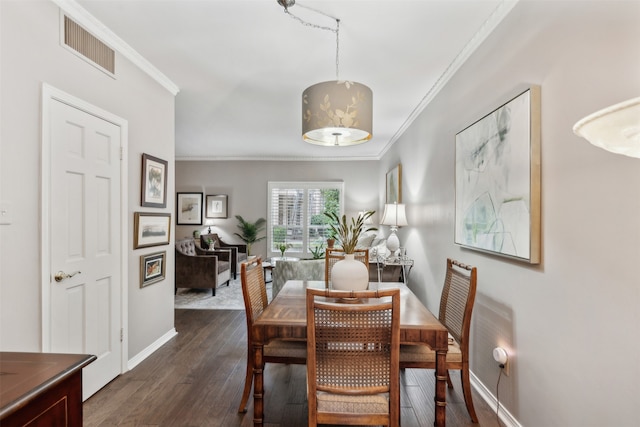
<point x="88" y="46"/>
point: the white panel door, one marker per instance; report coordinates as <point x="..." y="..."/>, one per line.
<point x="85" y="241"/>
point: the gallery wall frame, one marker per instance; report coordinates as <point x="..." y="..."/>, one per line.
<point x="154" y="182"/>
<point x="217" y="206"/>
<point x="189" y="208"/>
<point x="152" y="268"/>
<point x="497" y="180"/>
<point x="151" y="229"/>
<point x="394" y="185"/>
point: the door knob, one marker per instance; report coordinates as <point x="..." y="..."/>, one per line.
<point x="61" y="275"/>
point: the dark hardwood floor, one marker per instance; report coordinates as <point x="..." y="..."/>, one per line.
<point x="196" y="380"/>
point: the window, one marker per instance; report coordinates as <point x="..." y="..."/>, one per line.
<point x="296" y="215"/>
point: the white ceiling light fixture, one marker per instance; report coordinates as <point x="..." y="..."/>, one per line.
<point x="615" y="128"/>
<point x="336" y="112"/>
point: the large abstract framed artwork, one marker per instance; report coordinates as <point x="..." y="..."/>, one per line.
<point x="189" y="208"/>
<point x="497" y="180"/>
<point x="154" y="182"/>
<point x="394" y="185"/>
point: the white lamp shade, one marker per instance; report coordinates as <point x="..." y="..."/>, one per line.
<point x="394" y="215"/>
<point x="615" y="128"/>
<point x="337" y="113"/>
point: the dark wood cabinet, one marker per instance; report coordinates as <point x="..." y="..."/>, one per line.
<point x="41" y="389"/>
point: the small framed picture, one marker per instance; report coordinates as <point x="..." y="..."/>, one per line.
<point x="189" y="208"/>
<point x="154" y="182"/>
<point x="217" y="206"/>
<point x="394" y="185"/>
<point x="151" y="229"/>
<point x="152" y="268"/>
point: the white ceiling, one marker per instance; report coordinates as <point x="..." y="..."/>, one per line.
<point x="241" y="65"/>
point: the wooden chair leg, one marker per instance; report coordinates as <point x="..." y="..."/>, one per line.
<point x="466" y="389"/>
<point x="449" y="383"/>
<point x="248" y="381"/>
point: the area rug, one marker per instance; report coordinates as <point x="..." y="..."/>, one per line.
<point x="226" y="298"/>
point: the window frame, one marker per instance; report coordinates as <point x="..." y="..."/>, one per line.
<point x="305" y="186"/>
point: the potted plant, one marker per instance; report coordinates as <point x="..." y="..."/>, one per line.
<point x="329" y="217"/>
<point x="331" y="239"/>
<point x="317" y="251"/>
<point x="349" y="274"/>
<point x="282" y="247"/>
<point x="346" y="234"/>
<point x="249" y="231"/>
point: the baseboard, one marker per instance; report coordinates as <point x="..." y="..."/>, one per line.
<point x="138" y="358"/>
<point x="504" y="415"/>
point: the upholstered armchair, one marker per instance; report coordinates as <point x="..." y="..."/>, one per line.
<point x="238" y="250"/>
<point x="201" y="271"/>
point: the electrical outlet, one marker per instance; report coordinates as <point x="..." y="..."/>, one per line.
<point x="501" y="356"/>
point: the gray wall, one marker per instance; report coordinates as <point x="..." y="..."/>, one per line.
<point x="31" y="54"/>
<point x="570" y="323"/>
<point x="245" y="182"/>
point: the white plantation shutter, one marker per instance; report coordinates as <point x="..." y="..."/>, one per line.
<point x="296" y="214"/>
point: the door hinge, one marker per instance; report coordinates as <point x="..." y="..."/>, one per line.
<point x="121" y="334"/>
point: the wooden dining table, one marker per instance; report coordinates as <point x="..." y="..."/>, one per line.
<point x="286" y="318"/>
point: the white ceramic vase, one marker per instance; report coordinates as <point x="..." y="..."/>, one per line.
<point x="349" y="274"/>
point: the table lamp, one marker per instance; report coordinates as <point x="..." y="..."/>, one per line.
<point x="208" y="222"/>
<point x="394" y="216"/>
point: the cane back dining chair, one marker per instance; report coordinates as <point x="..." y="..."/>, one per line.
<point x="353" y="357"/>
<point x="332" y="256"/>
<point x="456" y="304"/>
<point x="254" y="292"/>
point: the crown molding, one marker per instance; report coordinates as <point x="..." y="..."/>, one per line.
<point x="487" y="27"/>
<point x="98" y="29"/>
<point x="275" y="159"/>
<point x="90" y="23"/>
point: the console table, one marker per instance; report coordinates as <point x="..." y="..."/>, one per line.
<point x="41" y="389"/>
<point x="405" y="263"/>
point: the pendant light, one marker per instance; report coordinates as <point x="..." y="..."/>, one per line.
<point x="336" y="112"/>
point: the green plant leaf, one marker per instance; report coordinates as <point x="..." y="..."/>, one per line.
<point x="346" y="234"/>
